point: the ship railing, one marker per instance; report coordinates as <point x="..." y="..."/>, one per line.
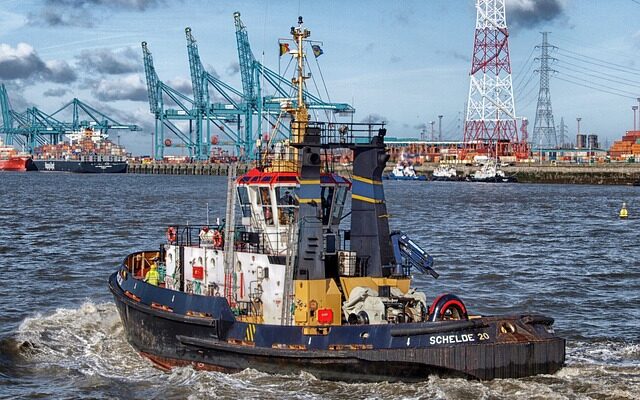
<point x="333" y="134"/>
<point x="205" y="236"/>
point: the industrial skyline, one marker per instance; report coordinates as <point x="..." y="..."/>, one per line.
<point x="404" y="63"/>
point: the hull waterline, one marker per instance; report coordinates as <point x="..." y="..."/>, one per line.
<point x="407" y="352"/>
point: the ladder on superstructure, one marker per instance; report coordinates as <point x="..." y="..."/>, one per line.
<point x="229" y="253"/>
<point x="288" y="274"/>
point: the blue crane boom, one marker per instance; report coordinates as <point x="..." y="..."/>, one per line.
<point x="407" y="252"/>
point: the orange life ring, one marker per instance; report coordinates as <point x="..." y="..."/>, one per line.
<point x="217" y="239"/>
<point x="172" y="234"/>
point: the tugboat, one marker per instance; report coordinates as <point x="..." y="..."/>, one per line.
<point x="490" y="172"/>
<point x="288" y="289"/>
<point x="402" y="172"/>
<point x="445" y="173"/>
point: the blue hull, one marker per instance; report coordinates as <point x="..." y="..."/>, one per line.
<point x="160" y="324"/>
<point x="85" y="167"/>
<point x="405" y="178"/>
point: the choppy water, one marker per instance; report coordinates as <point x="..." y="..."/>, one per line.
<point x="555" y="249"/>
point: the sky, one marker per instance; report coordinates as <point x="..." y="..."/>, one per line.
<point x="404" y="62"/>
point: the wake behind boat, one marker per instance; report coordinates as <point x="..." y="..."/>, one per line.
<point x="289" y="288"/>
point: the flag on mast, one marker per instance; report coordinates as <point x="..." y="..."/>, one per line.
<point x="317" y="51"/>
<point x="284" y="48"/>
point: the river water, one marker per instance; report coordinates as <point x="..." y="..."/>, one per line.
<point x="555" y="249"/>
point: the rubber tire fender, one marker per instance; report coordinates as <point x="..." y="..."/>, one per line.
<point x="444" y="302"/>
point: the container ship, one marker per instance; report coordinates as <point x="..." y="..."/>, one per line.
<point x="12" y="160"/>
<point x="292" y="288"/>
<point x="87" y="151"/>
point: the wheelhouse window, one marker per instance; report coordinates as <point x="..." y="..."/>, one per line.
<point x="341" y="195"/>
<point x="245" y="203"/>
<point x="264" y="197"/>
<point x="327" y="202"/>
<point x="287" y="204"/>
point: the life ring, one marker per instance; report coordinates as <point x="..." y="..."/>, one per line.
<point x="172" y="235"/>
<point x="447" y="307"/>
<point x="217" y="239"/>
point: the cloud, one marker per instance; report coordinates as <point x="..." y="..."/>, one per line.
<point x="531" y="13"/>
<point x="22" y="62"/>
<point x="110" y="62"/>
<point x="83" y="12"/>
<point x="55" y="92"/>
<point x="636" y="39"/>
<point x="59" y="72"/>
<point x="129" y="87"/>
<point x="374" y="118"/>
<point x="233" y="68"/>
<point x="454" y="54"/>
<point x="181" y="84"/>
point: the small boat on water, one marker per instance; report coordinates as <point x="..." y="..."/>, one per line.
<point x="291" y="288"/>
<point x="445" y="173"/>
<point x="404" y="172"/>
<point x="491" y="172"/>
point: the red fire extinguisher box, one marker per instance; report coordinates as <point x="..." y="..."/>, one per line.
<point x="198" y="272"/>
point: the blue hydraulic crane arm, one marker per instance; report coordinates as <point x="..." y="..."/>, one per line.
<point x="152" y="81"/>
<point x="246" y="59"/>
<point x="406" y="251"/>
<point x="198" y="83"/>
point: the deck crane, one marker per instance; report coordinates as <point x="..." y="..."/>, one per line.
<point x="156" y="90"/>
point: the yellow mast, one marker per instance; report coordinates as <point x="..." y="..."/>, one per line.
<point x="300" y="113"/>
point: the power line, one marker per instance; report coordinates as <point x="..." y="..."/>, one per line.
<point x="599" y="62"/>
<point x="598" y="84"/>
<point x="600" y="77"/>
<point x="594" y="88"/>
<point x="582" y="67"/>
<point x="525" y="69"/>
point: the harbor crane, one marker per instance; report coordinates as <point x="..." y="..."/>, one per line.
<point x="34" y="127"/>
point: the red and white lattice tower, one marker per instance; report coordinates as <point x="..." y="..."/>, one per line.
<point x="490" y="124"/>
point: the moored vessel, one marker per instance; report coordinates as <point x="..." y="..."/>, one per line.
<point x="12" y="160"/>
<point x="290" y="288"/>
<point x="491" y="172"/>
<point x="404" y="172"/>
<point x="445" y="173"/>
<point x="86" y="151"/>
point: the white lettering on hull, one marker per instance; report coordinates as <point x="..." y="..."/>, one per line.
<point x="461" y="338"/>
